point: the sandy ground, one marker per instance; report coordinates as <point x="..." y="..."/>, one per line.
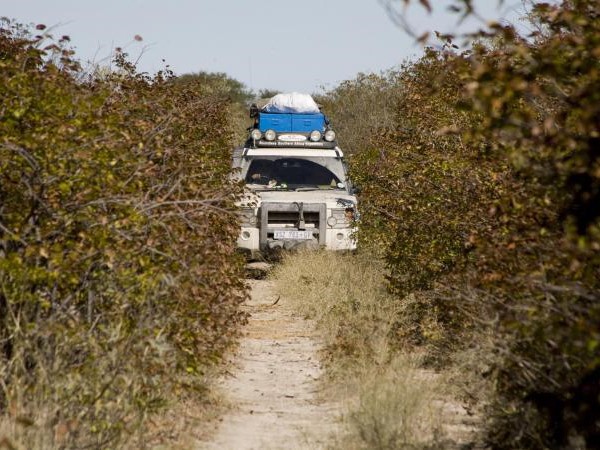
<point x="273" y="387"/>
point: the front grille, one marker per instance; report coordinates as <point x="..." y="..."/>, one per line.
<point x="292" y="218"/>
<point x="279" y="216"/>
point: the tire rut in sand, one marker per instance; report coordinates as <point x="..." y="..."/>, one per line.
<point x="273" y="387"/>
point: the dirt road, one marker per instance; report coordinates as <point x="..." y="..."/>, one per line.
<point x="273" y="387"/>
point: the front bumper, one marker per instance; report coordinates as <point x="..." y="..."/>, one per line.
<point x="312" y="218"/>
<point x="335" y="239"/>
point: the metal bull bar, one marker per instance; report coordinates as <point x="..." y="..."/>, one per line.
<point x="296" y="212"/>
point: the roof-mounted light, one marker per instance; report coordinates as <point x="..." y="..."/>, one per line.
<point x="330" y="135"/>
<point x="256" y="134"/>
<point x="270" y="135"/>
<point x="315" y="135"/>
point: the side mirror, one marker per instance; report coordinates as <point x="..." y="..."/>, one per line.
<point x="253" y="111"/>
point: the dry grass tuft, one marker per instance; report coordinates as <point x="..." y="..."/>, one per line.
<point x="345" y="295"/>
<point x="391" y="402"/>
<point x="395" y="408"/>
<point x="26" y="432"/>
<point x="180" y="425"/>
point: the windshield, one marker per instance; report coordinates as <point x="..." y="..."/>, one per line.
<point x="295" y="173"/>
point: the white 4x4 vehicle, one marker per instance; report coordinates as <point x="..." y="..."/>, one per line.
<point x="297" y="190"/>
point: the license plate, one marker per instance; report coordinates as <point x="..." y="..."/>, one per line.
<point x="293" y="234"/>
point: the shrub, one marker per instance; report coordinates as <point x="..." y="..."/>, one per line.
<point x="483" y="198"/>
<point x="360" y="107"/>
<point x="118" y="280"/>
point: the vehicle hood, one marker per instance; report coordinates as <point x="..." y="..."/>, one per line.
<point x="333" y="198"/>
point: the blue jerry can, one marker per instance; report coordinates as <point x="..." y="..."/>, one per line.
<point x="274" y="121"/>
<point x="305" y="123"/>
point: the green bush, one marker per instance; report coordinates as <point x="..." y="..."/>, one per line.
<point x="118" y="280"/>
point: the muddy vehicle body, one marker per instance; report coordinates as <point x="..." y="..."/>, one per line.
<point x="297" y="193"/>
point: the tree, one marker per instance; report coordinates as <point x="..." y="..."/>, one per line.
<point x="218" y="84"/>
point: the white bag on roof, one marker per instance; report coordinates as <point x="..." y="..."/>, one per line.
<point x="292" y="103"/>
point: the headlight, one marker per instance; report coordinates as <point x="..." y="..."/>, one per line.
<point x="339" y="218"/>
<point x="255" y="134"/>
<point x="330" y="135"/>
<point x="315" y="135"/>
<point x="270" y="135"/>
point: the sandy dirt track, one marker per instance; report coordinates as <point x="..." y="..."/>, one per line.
<point x="273" y="387"/>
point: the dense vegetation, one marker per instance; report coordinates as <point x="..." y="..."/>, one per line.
<point x="482" y="191"/>
<point x="480" y="178"/>
<point x="119" y="286"/>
